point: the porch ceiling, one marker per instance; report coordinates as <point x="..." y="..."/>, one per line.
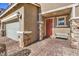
<point x="58" y="13"/>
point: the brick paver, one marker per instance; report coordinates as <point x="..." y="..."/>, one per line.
<point x="46" y="47"/>
<point x="11" y="45"/>
<point x="52" y="47"/>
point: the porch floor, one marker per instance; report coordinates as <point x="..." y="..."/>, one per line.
<point x="52" y="47"/>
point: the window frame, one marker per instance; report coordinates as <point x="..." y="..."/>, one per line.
<point x="65" y="25"/>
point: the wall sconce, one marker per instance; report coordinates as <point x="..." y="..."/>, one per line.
<point x="19" y="15"/>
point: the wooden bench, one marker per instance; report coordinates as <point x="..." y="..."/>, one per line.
<point x="62" y="35"/>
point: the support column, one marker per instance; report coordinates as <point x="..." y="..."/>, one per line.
<point x="74" y="39"/>
<point x="73" y="27"/>
<point x="73" y="11"/>
<point x="40" y="27"/>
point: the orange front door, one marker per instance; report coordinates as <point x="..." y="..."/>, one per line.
<point x="49" y="26"/>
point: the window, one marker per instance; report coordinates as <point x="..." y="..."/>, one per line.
<point x="61" y="21"/>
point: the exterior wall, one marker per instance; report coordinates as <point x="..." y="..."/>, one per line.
<point x="65" y="30"/>
<point x="30" y="23"/>
<point x="50" y="6"/>
<point x="71" y="14"/>
<point x="58" y="29"/>
<point x="67" y="22"/>
<point x="62" y="30"/>
<point x="18" y="8"/>
<point x="77" y="11"/>
<point x="13" y="10"/>
<point x="44" y="27"/>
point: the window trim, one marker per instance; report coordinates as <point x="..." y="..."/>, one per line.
<point x="65" y="25"/>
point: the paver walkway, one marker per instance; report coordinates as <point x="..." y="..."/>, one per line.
<point x="11" y="45"/>
<point x="52" y="47"/>
<point x="46" y="47"/>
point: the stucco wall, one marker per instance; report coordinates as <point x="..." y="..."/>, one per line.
<point x="44" y="27"/>
<point x="50" y="6"/>
<point x="30" y="22"/>
<point x="77" y="11"/>
<point x="67" y="22"/>
<point x="62" y="30"/>
<point x="13" y="10"/>
<point x="58" y="29"/>
<point x="17" y="8"/>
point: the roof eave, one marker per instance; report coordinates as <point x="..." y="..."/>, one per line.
<point x="8" y="10"/>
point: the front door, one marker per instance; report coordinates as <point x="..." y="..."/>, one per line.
<point x="49" y="26"/>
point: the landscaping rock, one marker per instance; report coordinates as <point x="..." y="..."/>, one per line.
<point x="24" y="52"/>
<point x="2" y="49"/>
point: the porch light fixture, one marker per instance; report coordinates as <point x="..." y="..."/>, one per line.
<point x="19" y="15"/>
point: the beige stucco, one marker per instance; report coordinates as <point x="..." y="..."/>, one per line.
<point x="31" y="22"/>
<point x="77" y="11"/>
<point x="65" y="12"/>
<point x="62" y="30"/>
<point x="28" y="22"/>
<point x="29" y="19"/>
<point x="19" y="8"/>
<point x="51" y="6"/>
<point x="44" y="27"/>
<point x="57" y="29"/>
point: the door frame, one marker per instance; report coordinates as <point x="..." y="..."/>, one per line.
<point x="53" y="30"/>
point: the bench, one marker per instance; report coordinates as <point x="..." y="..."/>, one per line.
<point x="62" y="35"/>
